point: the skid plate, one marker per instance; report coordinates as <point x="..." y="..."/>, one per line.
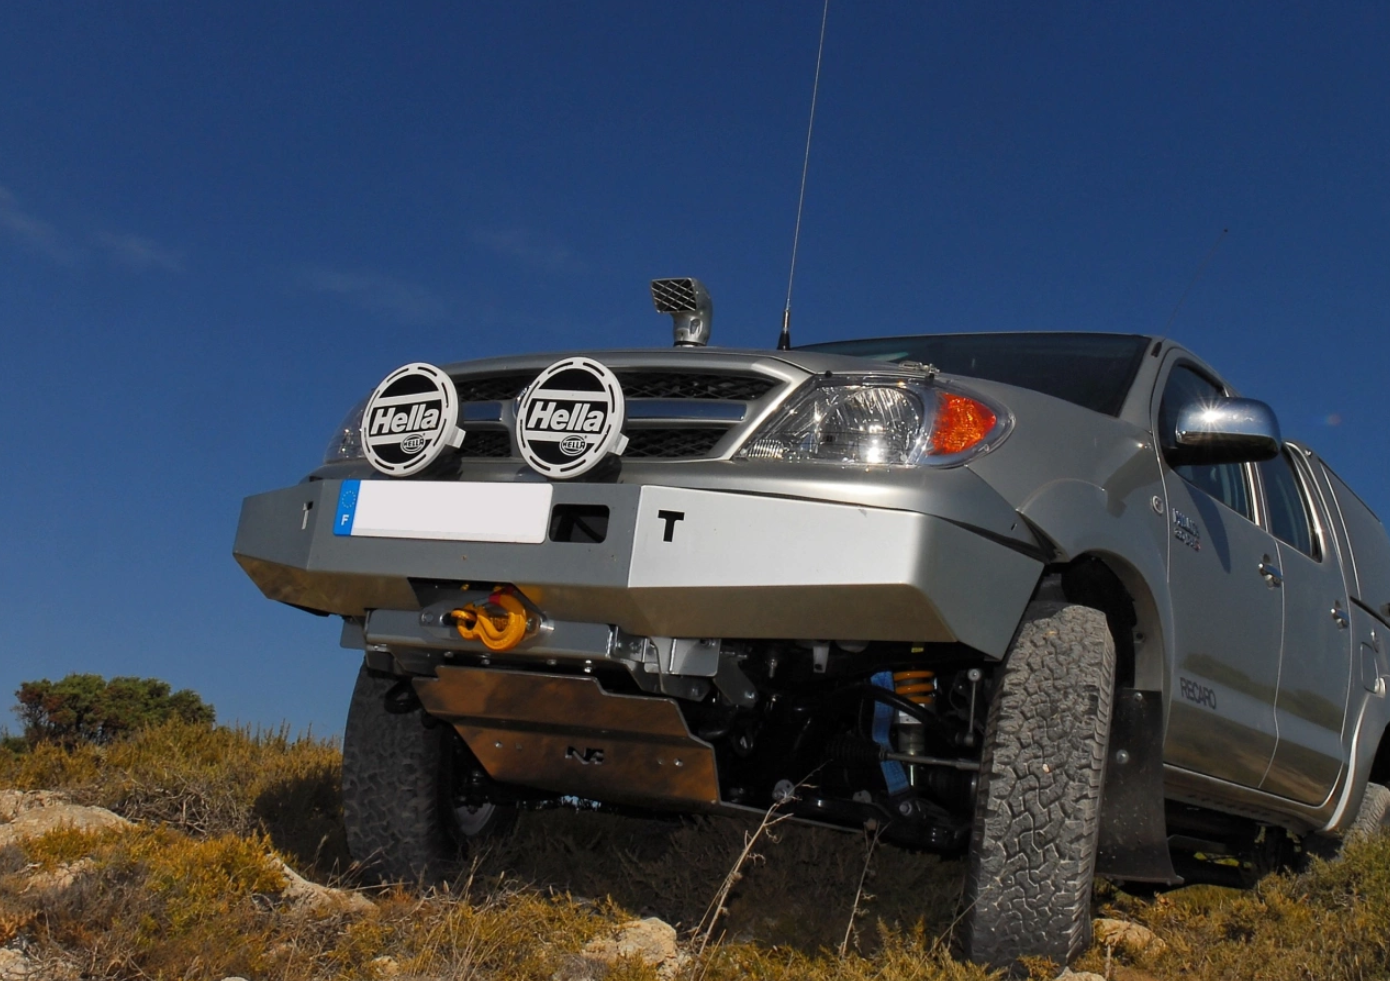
<point x="564" y="733"/>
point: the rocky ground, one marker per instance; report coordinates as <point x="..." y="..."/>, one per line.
<point x="48" y="817"/>
<point x="215" y="853"/>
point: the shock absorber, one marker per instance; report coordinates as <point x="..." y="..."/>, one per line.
<point x="919" y="687"/>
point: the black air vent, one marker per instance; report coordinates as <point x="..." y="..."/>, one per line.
<point x="492" y="388"/>
<point x="670" y="444"/>
<point x="493" y="444"/>
<point x="679" y="385"/>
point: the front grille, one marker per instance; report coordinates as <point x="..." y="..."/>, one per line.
<point x="681" y="385"/>
<point x="671" y="444"/>
<point x="492" y="388"/>
<point x="649" y="384"/>
<point x="643" y="444"/>
<point x="487" y="443"/>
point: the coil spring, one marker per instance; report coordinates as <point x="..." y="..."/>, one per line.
<point x="917" y="686"/>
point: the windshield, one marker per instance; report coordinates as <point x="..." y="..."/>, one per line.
<point x="1090" y="370"/>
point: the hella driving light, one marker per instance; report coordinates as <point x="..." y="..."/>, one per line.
<point x="346" y="444"/>
<point x="877" y="422"/>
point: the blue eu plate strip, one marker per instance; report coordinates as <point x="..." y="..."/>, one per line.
<point x="347" y="507"/>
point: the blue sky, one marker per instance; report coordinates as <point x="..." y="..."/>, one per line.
<point x="222" y="223"/>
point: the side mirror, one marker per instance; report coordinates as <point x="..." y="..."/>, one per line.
<point x="1224" y="430"/>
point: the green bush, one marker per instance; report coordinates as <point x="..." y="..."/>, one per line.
<point x="86" y="708"/>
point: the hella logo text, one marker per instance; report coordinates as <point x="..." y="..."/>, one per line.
<point x="420" y="417"/>
<point x="580" y="417"/>
<point x="573" y="445"/>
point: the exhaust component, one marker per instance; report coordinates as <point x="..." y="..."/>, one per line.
<point x="690" y="307"/>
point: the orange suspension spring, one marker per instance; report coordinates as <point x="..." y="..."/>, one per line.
<point x="916" y="686"/>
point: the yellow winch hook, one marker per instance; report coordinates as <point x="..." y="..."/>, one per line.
<point x="499" y="624"/>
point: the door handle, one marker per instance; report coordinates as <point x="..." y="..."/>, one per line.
<point x="1271" y="573"/>
<point x="1340" y="615"/>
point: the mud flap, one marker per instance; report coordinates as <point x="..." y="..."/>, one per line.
<point x="1133" y="841"/>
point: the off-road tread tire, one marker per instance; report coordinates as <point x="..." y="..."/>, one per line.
<point x="1373" y="816"/>
<point x="1037" y="807"/>
<point x="398" y="827"/>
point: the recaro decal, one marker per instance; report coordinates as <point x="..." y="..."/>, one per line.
<point x="1197" y="694"/>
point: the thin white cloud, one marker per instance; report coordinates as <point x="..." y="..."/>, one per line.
<point x="528" y="248"/>
<point x="407" y="302"/>
<point x="140" y="254"/>
<point x="33" y="234"/>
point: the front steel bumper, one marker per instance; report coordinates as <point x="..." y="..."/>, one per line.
<point x="733" y="565"/>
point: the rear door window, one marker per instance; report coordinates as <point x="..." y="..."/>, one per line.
<point x="1290" y="514"/>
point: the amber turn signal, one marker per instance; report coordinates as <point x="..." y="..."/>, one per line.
<point x="960" y="424"/>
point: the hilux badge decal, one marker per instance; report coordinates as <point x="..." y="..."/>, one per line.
<point x="570" y="418"/>
<point x="410" y="418"/>
<point x="1186" y="531"/>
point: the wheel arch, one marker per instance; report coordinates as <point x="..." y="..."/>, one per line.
<point x="1137" y="616"/>
<point x="1380" y="763"/>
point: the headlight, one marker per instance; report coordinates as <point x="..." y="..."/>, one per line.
<point x="877" y="421"/>
<point x="346" y="443"/>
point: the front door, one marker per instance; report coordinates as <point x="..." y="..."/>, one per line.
<point x="1227" y="610"/>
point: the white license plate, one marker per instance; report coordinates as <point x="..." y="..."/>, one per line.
<point x="453" y="512"/>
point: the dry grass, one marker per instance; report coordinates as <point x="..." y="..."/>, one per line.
<point x="192" y="893"/>
<point x="206" y="781"/>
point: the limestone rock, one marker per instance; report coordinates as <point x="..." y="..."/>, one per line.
<point x="61" y="877"/>
<point x="13" y="802"/>
<point x="15" y="965"/>
<point x="1069" y="975"/>
<point x="383" y="967"/>
<point x="31" y="815"/>
<point x="1128" y="937"/>
<point x="652" y="940"/>
<point x="299" y="891"/>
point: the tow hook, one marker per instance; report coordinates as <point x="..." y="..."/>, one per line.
<point x="500" y="622"/>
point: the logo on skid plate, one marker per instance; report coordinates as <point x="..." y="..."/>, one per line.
<point x="410" y="418"/>
<point x="570" y="418"/>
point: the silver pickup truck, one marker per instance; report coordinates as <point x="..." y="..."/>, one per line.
<point x="1058" y="601"/>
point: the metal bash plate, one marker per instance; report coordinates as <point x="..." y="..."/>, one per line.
<point x="566" y="734"/>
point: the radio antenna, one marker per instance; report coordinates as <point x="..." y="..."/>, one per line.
<point x="784" y="341"/>
<point x="1195" y="276"/>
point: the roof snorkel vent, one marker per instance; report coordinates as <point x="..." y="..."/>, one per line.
<point x="691" y="309"/>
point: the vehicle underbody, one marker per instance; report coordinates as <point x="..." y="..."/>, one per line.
<point x="887" y="735"/>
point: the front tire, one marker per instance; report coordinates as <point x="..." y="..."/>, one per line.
<point x="404" y="817"/>
<point x="1373" y="816"/>
<point x="1037" y="807"/>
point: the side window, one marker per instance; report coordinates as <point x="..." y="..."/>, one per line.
<point x="1288" y="505"/>
<point x="1225" y="482"/>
